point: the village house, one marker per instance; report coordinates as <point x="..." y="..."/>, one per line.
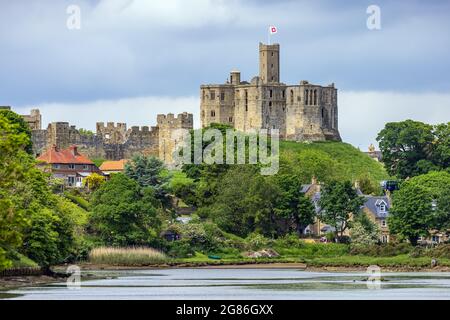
<point x="375" y="207"/>
<point x="67" y="164"/>
<point x="111" y="167"/>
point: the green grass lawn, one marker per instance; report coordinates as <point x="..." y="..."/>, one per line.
<point x="348" y="161"/>
<point x="336" y="261"/>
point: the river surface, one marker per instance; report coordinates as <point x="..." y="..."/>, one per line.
<point x="244" y="284"/>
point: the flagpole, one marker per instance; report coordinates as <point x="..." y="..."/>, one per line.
<point x="268" y="35"/>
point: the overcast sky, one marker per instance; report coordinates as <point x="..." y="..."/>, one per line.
<point x="133" y="59"/>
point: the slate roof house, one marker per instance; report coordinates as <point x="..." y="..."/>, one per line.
<point x="68" y="164"/>
<point x="376" y="208"/>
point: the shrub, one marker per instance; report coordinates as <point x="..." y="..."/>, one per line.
<point x="256" y="241"/>
<point x="289" y="241"/>
<point x="180" y="249"/>
<point x="440" y="251"/>
<point x="383" y="250"/>
<point x="78" y="200"/>
<point x="127" y="256"/>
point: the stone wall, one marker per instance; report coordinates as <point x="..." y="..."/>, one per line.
<point x="115" y="141"/>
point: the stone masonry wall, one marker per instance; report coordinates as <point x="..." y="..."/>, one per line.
<point x="114" y="141"/>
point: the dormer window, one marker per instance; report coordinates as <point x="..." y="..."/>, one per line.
<point x="382" y="207"/>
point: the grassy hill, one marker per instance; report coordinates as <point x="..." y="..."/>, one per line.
<point x="329" y="160"/>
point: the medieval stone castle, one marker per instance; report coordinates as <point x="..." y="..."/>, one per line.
<point x="303" y="112"/>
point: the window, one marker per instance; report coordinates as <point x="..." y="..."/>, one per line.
<point x="230" y="119"/>
<point x="71" y="166"/>
<point x="322" y="113"/>
<point x="56" y="166"/>
<point x="246" y="100"/>
<point x="292" y="96"/>
<point x="71" y="180"/>
<point x="382" y="207"/>
<point x="270" y="93"/>
<point x="270" y="103"/>
<point x="271" y="65"/>
<point x="222" y="96"/>
<point x="213" y="113"/>
<point x="272" y="54"/>
<point x="383" y="223"/>
<point x="282" y="93"/>
<point x="85" y="167"/>
<point x="213" y="95"/>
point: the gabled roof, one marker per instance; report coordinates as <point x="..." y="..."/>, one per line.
<point x="66" y="156"/>
<point x="373" y="204"/>
<point x="113" y="165"/>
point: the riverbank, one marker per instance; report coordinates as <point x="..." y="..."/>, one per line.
<point x="8" y="283"/>
<point x="266" y="265"/>
<point x="13" y="282"/>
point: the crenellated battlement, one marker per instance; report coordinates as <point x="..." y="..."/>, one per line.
<point x="112" y="141"/>
<point x="100" y="126"/>
<point x="182" y="120"/>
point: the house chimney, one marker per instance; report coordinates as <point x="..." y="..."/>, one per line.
<point x="74" y="150"/>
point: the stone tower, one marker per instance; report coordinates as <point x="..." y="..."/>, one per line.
<point x="168" y="125"/>
<point x="301" y="112"/>
<point x="269" y="63"/>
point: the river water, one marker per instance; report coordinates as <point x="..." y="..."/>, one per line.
<point x="244" y="284"/>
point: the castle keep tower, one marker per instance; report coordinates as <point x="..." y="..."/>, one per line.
<point x="269" y="63"/>
<point x="302" y="112"/>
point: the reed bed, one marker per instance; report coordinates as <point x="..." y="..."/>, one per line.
<point x="127" y="256"/>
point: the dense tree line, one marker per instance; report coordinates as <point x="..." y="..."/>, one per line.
<point x="410" y="148"/>
<point x="134" y="207"/>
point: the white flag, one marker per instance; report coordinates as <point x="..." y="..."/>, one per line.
<point x="273" y="29"/>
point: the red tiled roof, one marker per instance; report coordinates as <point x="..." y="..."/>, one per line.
<point x="67" y="156"/>
<point x="113" y="165"/>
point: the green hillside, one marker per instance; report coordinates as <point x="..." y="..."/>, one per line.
<point x="329" y="160"/>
